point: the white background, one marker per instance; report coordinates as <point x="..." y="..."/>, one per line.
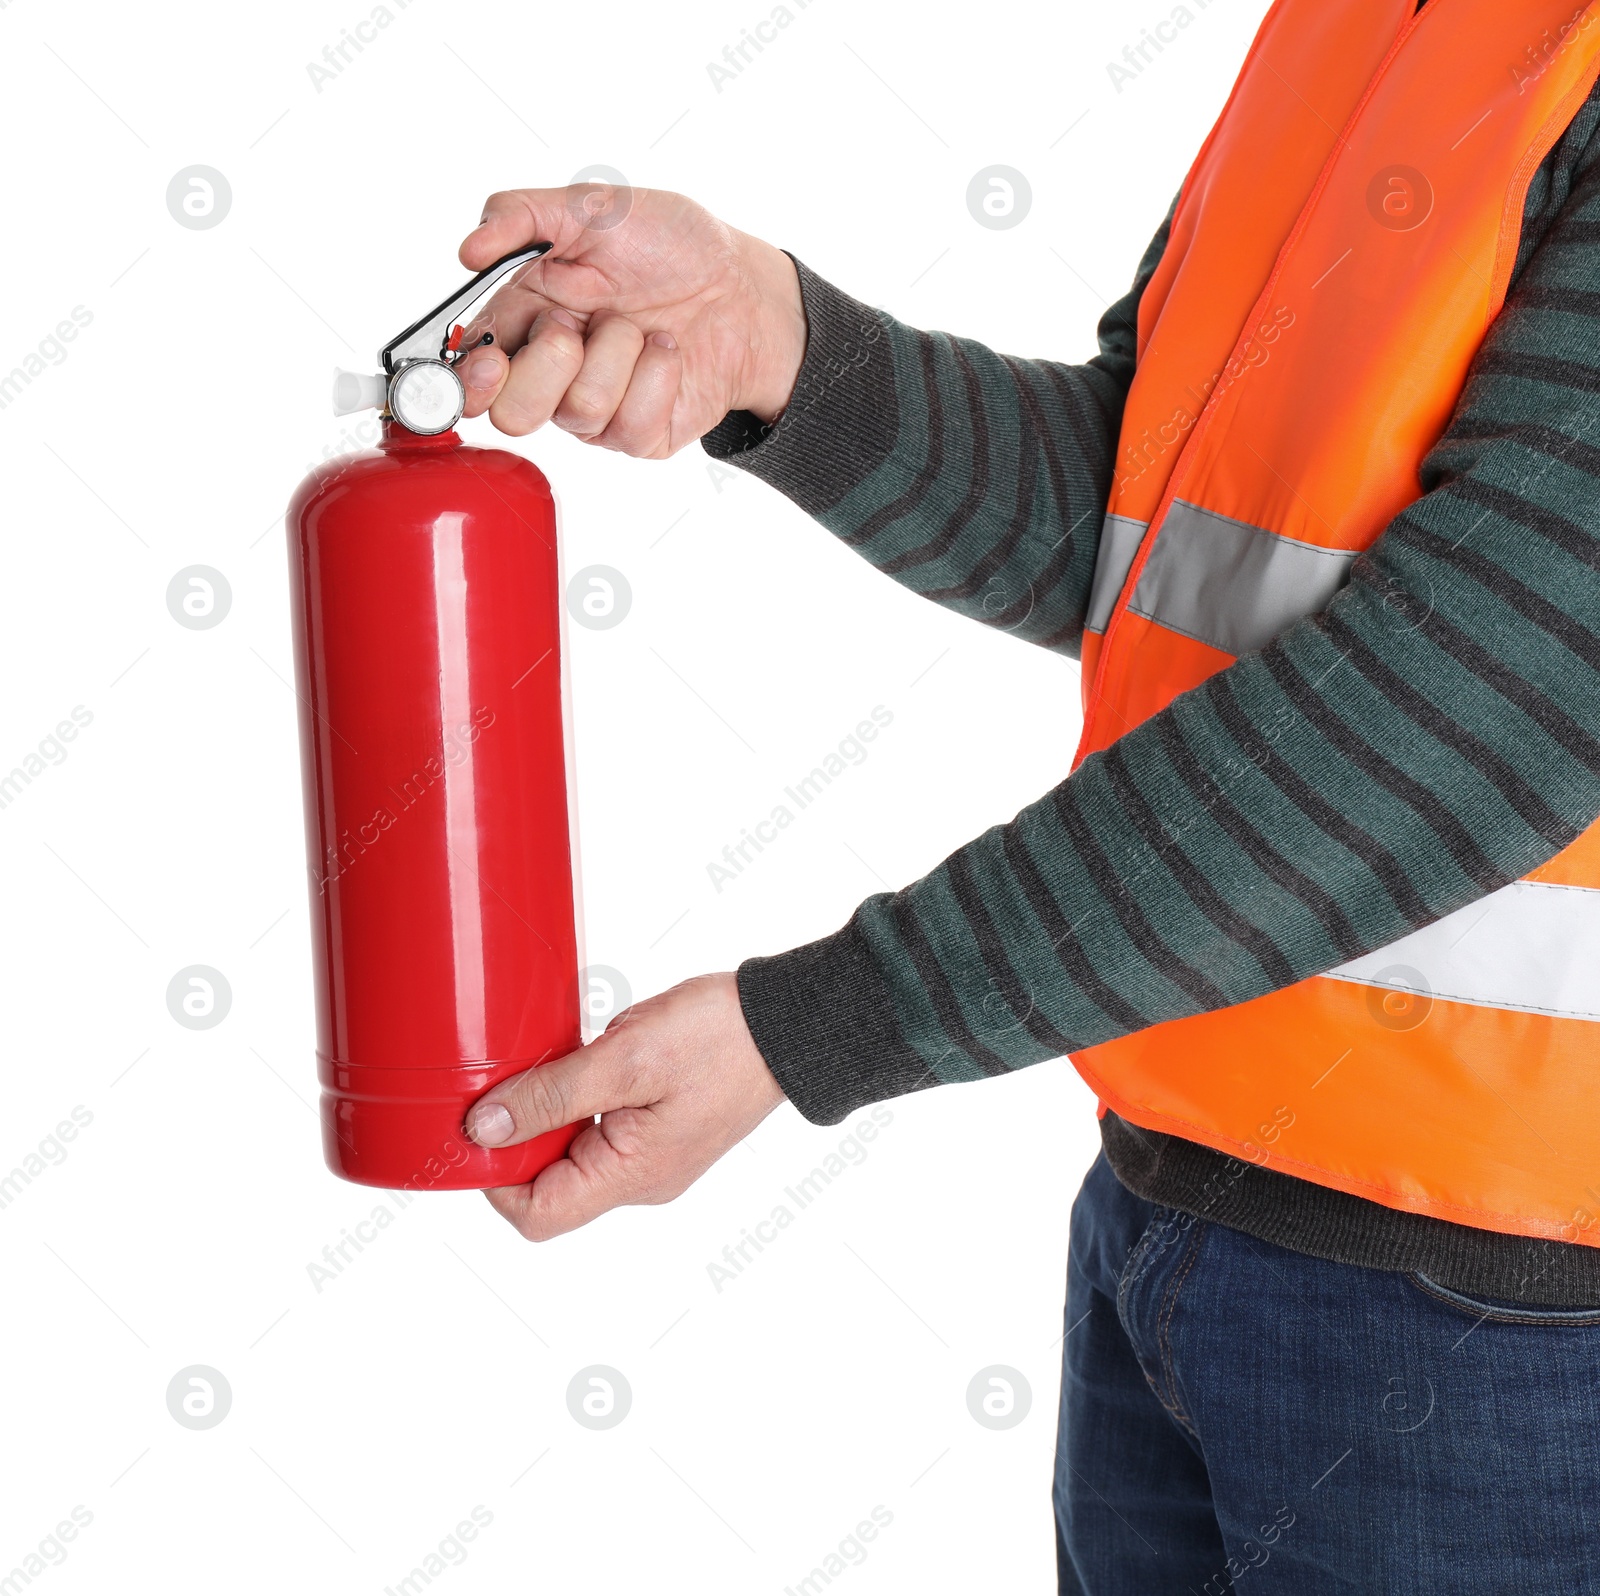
<point x="429" y="1378"/>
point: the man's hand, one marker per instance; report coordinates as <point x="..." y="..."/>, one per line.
<point x="646" y="324"/>
<point x="677" y="1081"/>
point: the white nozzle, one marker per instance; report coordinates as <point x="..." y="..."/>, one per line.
<point x="354" y="390"/>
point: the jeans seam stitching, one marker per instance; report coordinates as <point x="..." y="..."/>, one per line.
<point x="1140" y="1262"/>
<point x="1137" y="1266"/>
<point x="1164" y="1326"/>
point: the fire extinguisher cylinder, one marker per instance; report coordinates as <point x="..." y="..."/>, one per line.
<point x="426" y="604"/>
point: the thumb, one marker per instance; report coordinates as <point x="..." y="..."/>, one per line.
<point x="516" y="217"/>
<point x="591" y="1081"/>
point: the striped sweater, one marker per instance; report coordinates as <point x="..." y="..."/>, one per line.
<point x="1430" y="736"/>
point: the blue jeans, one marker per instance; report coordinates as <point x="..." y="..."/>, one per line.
<point x="1236" y="1416"/>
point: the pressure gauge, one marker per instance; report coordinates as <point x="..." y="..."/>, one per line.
<point x="426" y="397"/>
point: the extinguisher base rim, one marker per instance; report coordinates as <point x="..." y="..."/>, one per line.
<point x="403" y="1128"/>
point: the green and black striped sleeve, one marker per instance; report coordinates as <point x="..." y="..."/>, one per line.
<point x="1429" y="737"/>
<point x="978" y="480"/>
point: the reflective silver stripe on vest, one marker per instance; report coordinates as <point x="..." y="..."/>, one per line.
<point x="1120" y="538"/>
<point x="1229" y="584"/>
<point x="1533" y="946"/>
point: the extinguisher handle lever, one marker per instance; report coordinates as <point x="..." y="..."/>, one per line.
<point x="427" y="338"/>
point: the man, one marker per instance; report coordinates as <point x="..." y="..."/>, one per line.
<point x="1315" y="912"/>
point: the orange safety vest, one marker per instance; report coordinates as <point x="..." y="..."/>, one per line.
<point x="1340" y="247"/>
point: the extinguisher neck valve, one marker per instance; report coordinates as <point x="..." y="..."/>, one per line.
<point x="418" y="386"/>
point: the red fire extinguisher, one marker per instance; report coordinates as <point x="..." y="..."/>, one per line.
<point x="426" y="600"/>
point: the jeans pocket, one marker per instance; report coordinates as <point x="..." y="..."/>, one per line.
<point x="1501" y="1310"/>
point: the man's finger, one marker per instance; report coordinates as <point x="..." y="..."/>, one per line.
<point x="483" y="375"/>
<point x="642" y="425"/>
<point x="611" y="346"/>
<point x="591" y="1180"/>
<point x="591" y="1081"/>
<point x="540" y="373"/>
